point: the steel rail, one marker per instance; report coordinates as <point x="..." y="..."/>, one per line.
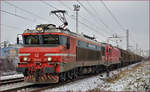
<point x="9" y="81"/>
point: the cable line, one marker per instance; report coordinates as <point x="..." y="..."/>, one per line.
<point x="113" y="16"/>
<point x="88" y="11"/>
<point x="60" y="1"/>
<point x="109" y="29"/>
<point x="10" y="26"/>
<point x="31" y="13"/>
<point x="19" y="16"/>
<point x="90" y="28"/>
<point x="48" y="4"/>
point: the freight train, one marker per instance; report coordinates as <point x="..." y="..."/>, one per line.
<point x="52" y="54"/>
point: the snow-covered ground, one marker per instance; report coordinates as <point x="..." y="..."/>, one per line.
<point x="132" y="78"/>
<point x="8" y="65"/>
<point x="11" y="76"/>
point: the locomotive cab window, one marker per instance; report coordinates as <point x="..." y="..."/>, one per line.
<point x="31" y="39"/>
<point x="65" y="41"/>
<point x="50" y="39"/>
<point x="46" y="40"/>
<point x="41" y="39"/>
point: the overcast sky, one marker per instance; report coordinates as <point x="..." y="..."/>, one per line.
<point x="132" y="15"/>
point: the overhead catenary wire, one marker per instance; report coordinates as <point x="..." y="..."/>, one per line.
<point x="10" y="26"/>
<point x="113" y="16"/>
<point x="61" y="2"/>
<point x="31" y="13"/>
<point x="91" y="13"/>
<point x="106" y="26"/>
<point x="48" y="4"/>
<point x="90" y="27"/>
<point x="19" y="16"/>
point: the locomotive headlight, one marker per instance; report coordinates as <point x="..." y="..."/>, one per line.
<point x="25" y="58"/>
<point x="49" y="59"/>
<point x="39" y="29"/>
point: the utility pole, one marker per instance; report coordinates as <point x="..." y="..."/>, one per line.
<point x="76" y="8"/>
<point x="127" y="34"/>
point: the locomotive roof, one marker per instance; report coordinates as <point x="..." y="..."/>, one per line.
<point x="53" y="29"/>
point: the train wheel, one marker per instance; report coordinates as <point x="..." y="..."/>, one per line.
<point x="69" y="75"/>
<point x="93" y="70"/>
<point x="96" y="69"/>
<point x="62" y="77"/>
<point x="79" y="71"/>
<point x="107" y="71"/>
<point x="75" y="75"/>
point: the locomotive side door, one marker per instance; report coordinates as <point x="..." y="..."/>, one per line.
<point x="70" y="49"/>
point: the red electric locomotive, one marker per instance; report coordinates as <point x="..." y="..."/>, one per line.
<point x="51" y="54"/>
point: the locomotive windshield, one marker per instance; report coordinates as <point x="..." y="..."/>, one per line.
<point x="50" y="39"/>
<point x="31" y="39"/>
<point x="41" y="39"/>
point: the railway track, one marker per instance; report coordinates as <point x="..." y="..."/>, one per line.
<point x="37" y="87"/>
<point x="8" y="84"/>
<point x="9" y="81"/>
<point x="14" y="86"/>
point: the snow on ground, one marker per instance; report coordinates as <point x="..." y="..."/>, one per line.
<point x="11" y="76"/>
<point x="8" y="73"/>
<point x="132" y="78"/>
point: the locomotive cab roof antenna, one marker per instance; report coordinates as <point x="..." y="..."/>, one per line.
<point x="61" y="15"/>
